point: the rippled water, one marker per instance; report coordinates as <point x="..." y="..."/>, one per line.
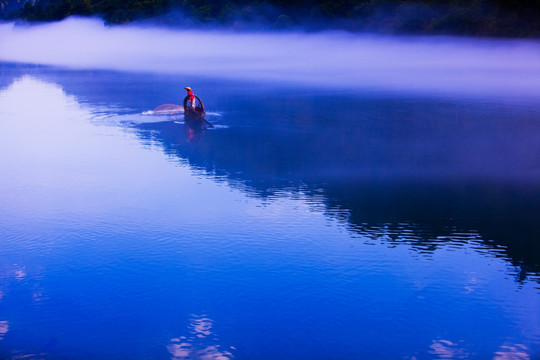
<point x="380" y="226"/>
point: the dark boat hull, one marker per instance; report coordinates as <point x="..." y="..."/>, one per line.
<point x="196" y="112"/>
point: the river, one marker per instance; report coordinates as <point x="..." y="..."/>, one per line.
<point x="308" y="223"/>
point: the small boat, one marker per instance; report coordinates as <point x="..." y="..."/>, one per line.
<point x="194" y="112"/>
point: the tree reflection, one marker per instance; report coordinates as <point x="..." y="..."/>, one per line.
<point x="423" y="214"/>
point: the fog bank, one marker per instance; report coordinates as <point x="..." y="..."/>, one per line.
<point x="431" y="65"/>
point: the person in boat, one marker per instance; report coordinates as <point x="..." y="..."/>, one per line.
<point x="195" y="110"/>
<point x="191" y="96"/>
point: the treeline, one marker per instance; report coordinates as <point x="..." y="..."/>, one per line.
<point x="502" y="18"/>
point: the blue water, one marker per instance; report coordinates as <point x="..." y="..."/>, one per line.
<point x="324" y="225"/>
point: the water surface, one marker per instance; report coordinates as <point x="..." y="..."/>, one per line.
<point x="339" y="224"/>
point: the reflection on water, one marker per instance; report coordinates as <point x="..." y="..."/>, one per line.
<point x="445" y="349"/>
<point x="200" y="344"/>
<point x="513" y="352"/>
<point x="194" y="130"/>
<point x="15" y="271"/>
<point x="4" y="328"/>
<point x="300" y="234"/>
<point x="416" y="205"/>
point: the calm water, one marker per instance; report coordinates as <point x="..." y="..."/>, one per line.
<point x="332" y="225"/>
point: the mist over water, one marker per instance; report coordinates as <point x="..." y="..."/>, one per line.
<point x="334" y="60"/>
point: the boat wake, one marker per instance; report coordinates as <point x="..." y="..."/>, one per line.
<point x="149" y="117"/>
<point x="166" y="109"/>
<point x="171" y="109"/>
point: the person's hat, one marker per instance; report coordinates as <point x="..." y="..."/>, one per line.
<point x="187" y="88"/>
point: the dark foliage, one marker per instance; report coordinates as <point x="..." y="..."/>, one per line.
<point x="461" y="17"/>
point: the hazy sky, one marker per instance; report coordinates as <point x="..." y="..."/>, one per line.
<point x="447" y="65"/>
